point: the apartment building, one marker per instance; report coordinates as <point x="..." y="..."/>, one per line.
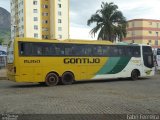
<point x="144" y="31"/>
<point x="41" y="19"/>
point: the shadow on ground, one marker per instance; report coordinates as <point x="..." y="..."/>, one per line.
<point x="37" y="85"/>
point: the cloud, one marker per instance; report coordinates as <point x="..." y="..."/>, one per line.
<point x="81" y="11"/>
<point x="5" y="4"/>
<point x="81" y="33"/>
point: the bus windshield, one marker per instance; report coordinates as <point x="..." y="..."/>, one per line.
<point x="10" y="51"/>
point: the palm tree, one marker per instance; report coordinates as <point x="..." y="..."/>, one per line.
<point x="110" y="23"/>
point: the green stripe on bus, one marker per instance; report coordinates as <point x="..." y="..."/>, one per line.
<point x="122" y="63"/>
<point x="109" y="65"/>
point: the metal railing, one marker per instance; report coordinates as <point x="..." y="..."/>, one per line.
<point x="3" y="62"/>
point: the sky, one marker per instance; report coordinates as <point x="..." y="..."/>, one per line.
<point x="81" y="11"/>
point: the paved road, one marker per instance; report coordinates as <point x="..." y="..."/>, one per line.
<point x="109" y="97"/>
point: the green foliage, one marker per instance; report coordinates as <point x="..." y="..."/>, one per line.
<point x="1" y="41"/>
<point x="110" y="23"/>
<point x="4" y="36"/>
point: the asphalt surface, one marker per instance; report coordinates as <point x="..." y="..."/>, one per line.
<point x="97" y="97"/>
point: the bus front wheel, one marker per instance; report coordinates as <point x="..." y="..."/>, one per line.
<point x="134" y="75"/>
<point x="67" y="78"/>
<point x="52" y="79"/>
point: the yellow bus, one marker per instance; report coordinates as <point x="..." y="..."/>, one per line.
<point x="53" y="61"/>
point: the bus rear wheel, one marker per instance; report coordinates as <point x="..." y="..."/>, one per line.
<point x="134" y="75"/>
<point x="52" y="79"/>
<point x="67" y="78"/>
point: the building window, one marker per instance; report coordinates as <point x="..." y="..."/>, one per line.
<point x="45" y="36"/>
<point x="157" y="34"/>
<point x="150" y="32"/>
<point x="59" y="6"/>
<point x="35" y="2"/>
<point x="22" y="27"/>
<point x="35" y="35"/>
<point x="45" y="6"/>
<point x="157" y="25"/>
<point x="45" y="14"/>
<point x="45" y="21"/>
<point x="59" y="28"/>
<point x="35" y="18"/>
<point x="60" y="36"/>
<point x="35" y="11"/>
<point x="133" y="24"/>
<point x="59" y="13"/>
<point x="44" y="29"/>
<point x="156" y="42"/>
<point x="150" y="23"/>
<point x="59" y="21"/>
<point x="22" y="2"/>
<point x="35" y="27"/>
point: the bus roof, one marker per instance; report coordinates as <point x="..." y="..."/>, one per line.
<point x="78" y="41"/>
<point x="64" y="41"/>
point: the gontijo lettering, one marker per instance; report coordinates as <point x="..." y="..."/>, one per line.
<point x="81" y="60"/>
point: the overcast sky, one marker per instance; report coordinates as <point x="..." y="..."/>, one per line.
<point x="81" y="11"/>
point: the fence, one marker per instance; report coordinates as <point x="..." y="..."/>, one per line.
<point x="3" y="61"/>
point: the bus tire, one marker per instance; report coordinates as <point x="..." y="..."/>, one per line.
<point x="67" y="78"/>
<point x="134" y="75"/>
<point x="52" y="79"/>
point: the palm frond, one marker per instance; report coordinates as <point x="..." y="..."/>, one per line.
<point x="109" y="22"/>
<point x="95" y="30"/>
<point x="94" y="18"/>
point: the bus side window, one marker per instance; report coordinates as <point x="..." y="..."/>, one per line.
<point x="21" y="50"/>
<point x="24" y="49"/>
<point x="106" y="50"/>
<point x="88" y="50"/>
<point x="115" y="51"/>
<point x="75" y="50"/>
<point x="68" y="51"/>
<point x="39" y="51"/>
<point x="97" y="50"/>
<point x="46" y="51"/>
<point x="121" y="51"/>
<point x="130" y="51"/>
<point x="136" y="51"/>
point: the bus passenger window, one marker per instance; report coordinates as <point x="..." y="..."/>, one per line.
<point x="24" y="49"/>
<point x="21" y="49"/>
<point x="46" y="51"/>
<point x="39" y="51"/>
<point x="115" y="51"/>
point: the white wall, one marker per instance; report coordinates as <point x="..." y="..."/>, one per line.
<point x="30" y="19"/>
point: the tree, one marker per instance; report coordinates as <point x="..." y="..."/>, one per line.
<point x="110" y="23"/>
<point x="1" y="41"/>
